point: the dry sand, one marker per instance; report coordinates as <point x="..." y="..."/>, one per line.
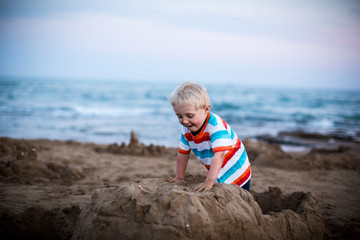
<point x="62" y="190"/>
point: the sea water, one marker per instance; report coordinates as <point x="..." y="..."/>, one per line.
<point x="107" y="111"/>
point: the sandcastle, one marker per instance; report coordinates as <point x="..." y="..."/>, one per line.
<point x="154" y="209"/>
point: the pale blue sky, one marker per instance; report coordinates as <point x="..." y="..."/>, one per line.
<point x="309" y="43"/>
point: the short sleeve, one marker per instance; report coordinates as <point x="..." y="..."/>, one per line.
<point x="184" y="146"/>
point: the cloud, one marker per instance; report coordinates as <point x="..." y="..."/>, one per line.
<point x="103" y="34"/>
<point x="299" y="36"/>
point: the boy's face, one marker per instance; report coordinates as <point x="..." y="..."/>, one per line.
<point x="191" y="117"/>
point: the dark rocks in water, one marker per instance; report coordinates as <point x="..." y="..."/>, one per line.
<point x="301" y="138"/>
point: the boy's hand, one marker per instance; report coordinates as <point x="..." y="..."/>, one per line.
<point x="205" y="186"/>
<point x="173" y="180"/>
<point x="215" y="167"/>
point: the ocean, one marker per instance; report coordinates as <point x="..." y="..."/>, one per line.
<point x="107" y="111"/>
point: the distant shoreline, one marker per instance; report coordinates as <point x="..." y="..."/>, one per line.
<point x="290" y="141"/>
<point x="300" y="141"/>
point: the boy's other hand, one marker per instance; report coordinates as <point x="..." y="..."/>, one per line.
<point x="174" y="180"/>
<point x="205" y="186"/>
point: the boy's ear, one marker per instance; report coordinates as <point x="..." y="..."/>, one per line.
<point x="207" y="108"/>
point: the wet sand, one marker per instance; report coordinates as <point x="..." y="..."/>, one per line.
<point x="45" y="185"/>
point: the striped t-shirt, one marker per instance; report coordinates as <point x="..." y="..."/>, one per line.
<point x="217" y="135"/>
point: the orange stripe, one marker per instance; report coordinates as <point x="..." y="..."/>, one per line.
<point x="206" y="122"/>
<point x="225" y="125"/>
<point x="223" y="148"/>
<point x="240" y="180"/>
<point x="183" y="151"/>
<point x="207" y="166"/>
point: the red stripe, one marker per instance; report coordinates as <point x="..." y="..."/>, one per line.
<point x="242" y="179"/>
<point x="202" y="138"/>
<point x="231" y="153"/>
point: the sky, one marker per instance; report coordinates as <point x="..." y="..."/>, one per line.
<point x="309" y="43"/>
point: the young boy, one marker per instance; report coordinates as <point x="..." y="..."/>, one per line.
<point x="210" y="138"/>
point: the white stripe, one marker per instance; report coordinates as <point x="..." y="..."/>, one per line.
<point x="222" y="142"/>
<point x="209" y="128"/>
<point x="206" y="161"/>
<point x="239" y="172"/>
<point x="184" y="147"/>
<point x="200" y="146"/>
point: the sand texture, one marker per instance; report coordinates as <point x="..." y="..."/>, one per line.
<point x="70" y="190"/>
<point x="155" y="209"/>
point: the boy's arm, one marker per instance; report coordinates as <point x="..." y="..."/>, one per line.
<point x="181" y="164"/>
<point x="213" y="173"/>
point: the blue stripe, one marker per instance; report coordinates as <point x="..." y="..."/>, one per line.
<point x="234" y="168"/>
<point x="184" y="141"/>
<point x="212" y="120"/>
<point x="207" y="153"/>
<point x="219" y="134"/>
<point x="232" y="133"/>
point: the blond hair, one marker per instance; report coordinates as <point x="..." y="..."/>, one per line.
<point x="190" y="93"/>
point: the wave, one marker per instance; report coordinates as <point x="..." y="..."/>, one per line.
<point x="109" y="110"/>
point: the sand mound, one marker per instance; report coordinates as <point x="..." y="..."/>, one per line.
<point x="155" y="209"/>
<point x="19" y="164"/>
<point x="340" y="158"/>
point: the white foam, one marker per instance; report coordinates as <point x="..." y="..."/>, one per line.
<point x="323" y="123"/>
<point x="290" y="148"/>
<point x="110" y="111"/>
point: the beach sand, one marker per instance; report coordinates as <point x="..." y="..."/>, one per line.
<point x="51" y="190"/>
